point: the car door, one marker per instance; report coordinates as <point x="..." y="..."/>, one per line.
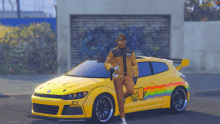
<point x="161" y="78"/>
<point x="142" y="89"/>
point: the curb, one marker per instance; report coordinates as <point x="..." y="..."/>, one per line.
<point x="199" y="73"/>
<point x="206" y="93"/>
<point x="10" y="94"/>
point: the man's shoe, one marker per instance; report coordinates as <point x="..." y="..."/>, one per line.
<point x="123" y="121"/>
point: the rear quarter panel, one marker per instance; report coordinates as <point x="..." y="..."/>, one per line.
<point x="178" y="81"/>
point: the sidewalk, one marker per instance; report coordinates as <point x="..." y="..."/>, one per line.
<point x="22" y="84"/>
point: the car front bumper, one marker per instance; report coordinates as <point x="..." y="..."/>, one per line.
<point x="57" y="109"/>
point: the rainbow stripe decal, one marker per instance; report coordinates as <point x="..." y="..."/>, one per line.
<point x="163" y="92"/>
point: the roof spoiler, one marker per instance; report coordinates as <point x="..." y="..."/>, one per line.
<point x="182" y="62"/>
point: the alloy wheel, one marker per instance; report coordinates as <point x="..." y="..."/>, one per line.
<point x="179" y="99"/>
<point x="104" y="109"/>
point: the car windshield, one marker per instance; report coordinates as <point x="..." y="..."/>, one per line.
<point x="91" y="69"/>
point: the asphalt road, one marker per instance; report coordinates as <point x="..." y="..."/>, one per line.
<point x="203" y="107"/>
<point x="200" y="110"/>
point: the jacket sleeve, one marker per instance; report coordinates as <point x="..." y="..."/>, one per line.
<point x="109" y="60"/>
<point x="134" y="65"/>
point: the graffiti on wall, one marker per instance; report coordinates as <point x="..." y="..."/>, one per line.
<point x="149" y="39"/>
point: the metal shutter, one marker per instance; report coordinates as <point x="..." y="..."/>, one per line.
<point x="94" y="35"/>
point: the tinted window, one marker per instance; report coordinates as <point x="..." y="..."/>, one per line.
<point x="159" y="67"/>
<point x="144" y="69"/>
<point x="90" y="68"/>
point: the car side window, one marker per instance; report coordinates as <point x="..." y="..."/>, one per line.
<point x="144" y="69"/>
<point x="159" y="67"/>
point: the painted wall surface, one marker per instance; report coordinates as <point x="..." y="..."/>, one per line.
<point x="95" y="37"/>
<point x="65" y="8"/>
<point x="201" y="44"/>
<point x="27" y="21"/>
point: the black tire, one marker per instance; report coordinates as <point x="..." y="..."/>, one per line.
<point x="103" y="105"/>
<point x="178" y="100"/>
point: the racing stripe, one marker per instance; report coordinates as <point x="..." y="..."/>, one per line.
<point x="163" y="92"/>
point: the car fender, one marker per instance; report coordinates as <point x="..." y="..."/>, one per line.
<point x="169" y="90"/>
<point x="93" y="94"/>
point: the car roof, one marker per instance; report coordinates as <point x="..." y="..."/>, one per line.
<point x="145" y="58"/>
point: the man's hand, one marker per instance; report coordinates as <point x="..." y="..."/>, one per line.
<point x="135" y="80"/>
<point x="112" y="70"/>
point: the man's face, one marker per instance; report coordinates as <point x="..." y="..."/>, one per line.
<point x="121" y="43"/>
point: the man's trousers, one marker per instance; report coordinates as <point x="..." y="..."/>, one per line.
<point x="118" y="83"/>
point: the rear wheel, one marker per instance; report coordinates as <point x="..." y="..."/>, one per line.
<point x="103" y="109"/>
<point x="178" y="100"/>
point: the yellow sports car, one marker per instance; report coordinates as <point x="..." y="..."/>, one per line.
<point x="87" y="92"/>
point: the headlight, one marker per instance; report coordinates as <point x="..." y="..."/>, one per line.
<point x="79" y="95"/>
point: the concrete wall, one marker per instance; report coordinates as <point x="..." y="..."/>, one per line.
<point x="201" y="45"/>
<point x="65" y="8"/>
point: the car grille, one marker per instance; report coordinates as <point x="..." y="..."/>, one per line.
<point x="49" y="95"/>
<point x="72" y="110"/>
<point x="46" y="109"/>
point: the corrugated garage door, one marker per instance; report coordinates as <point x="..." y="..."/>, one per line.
<point x="94" y="35"/>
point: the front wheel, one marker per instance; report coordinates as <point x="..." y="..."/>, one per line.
<point x="103" y="109"/>
<point x="178" y="100"/>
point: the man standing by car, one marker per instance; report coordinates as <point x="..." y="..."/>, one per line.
<point x="128" y="70"/>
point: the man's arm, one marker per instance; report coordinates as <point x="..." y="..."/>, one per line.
<point x="134" y="65"/>
<point x="108" y="62"/>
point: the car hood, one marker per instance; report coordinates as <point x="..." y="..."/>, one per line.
<point x="66" y="84"/>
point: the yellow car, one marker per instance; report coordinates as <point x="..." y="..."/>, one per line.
<point x="87" y="92"/>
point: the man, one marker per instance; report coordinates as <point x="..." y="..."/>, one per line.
<point x="127" y="69"/>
